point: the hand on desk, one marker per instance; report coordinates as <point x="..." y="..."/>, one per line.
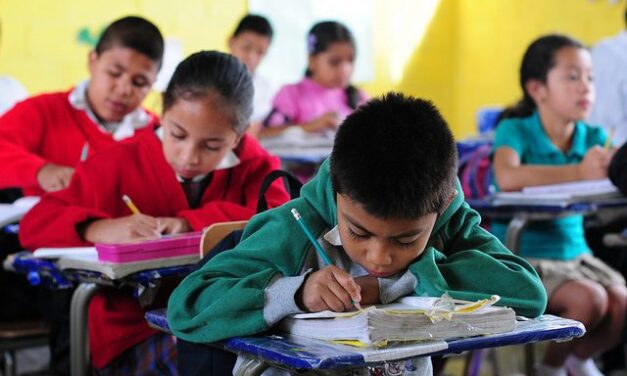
<point x="595" y="163"/>
<point x="330" y="120"/>
<point x="172" y="225"/>
<point x="52" y="177"/>
<point x="122" y="230"/>
<point x="331" y="289"/>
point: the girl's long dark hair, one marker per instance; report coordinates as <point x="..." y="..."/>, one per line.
<point x="207" y="72"/>
<point x="536" y="64"/>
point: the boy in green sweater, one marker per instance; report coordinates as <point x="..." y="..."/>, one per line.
<point x="388" y="210"/>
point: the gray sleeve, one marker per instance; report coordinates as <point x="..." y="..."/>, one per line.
<point x="396" y="286"/>
<point x="279" y="298"/>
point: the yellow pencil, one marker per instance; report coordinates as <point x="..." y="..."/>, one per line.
<point x="608" y="141"/>
<point x="130" y="204"/>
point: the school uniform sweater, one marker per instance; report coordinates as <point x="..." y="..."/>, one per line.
<point x="250" y="288"/>
<point x="139" y="169"/>
<point x="48" y="129"/>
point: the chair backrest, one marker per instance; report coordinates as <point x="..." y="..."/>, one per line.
<point x="213" y="234"/>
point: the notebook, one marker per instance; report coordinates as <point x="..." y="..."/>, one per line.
<point x="559" y="194"/>
<point x="10" y="213"/>
<point x="409" y="319"/>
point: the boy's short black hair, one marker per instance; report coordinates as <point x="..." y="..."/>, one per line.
<point x="136" y="33"/>
<point x="396" y="156"/>
<point x="255" y="23"/>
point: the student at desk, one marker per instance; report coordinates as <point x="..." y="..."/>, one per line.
<point x="325" y="96"/>
<point x="200" y="168"/>
<point x="249" y="43"/>
<point x="542" y="140"/>
<point x="43" y="138"/>
<point x="388" y="210"/>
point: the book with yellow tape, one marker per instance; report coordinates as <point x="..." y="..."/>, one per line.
<point x="409" y="319"/>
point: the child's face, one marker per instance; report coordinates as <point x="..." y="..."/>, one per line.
<point x="569" y="91"/>
<point x="197" y="135"/>
<point x="333" y="68"/>
<point x="249" y="48"/>
<point x="120" y="79"/>
<point x="384" y="247"/>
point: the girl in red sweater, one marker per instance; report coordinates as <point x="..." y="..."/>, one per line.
<point x="198" y="169"/>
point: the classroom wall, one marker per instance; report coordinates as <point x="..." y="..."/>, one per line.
<point x="479" y="44"/>
<point x="467" y="58"/>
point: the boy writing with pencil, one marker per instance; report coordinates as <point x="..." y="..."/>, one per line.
<point x="387" y="210"/>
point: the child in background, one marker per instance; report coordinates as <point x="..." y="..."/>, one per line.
<point x="388" y="210"/>
<point x="42" y="139"/>
<point x="541" y="141"/>
<point x="201" y="168"/>
<point x="325" y="96"/>
<point x="249" y="43"/>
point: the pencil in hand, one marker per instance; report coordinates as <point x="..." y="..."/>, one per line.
<point x="608" y="140"/>
<point x="323" y="255"/>
<point x="127" y="200"/>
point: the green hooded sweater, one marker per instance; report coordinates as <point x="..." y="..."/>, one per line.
<point x="246" y="290"/>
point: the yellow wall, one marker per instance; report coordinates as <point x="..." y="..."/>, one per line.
<point x="468" y="58"/>
<point x="478" y="44"/>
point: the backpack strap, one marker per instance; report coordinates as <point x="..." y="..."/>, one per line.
<point x="292" y="184"/>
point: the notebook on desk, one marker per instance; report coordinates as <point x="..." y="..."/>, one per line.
<point x="559" y="194"/>
<point x="10" y="213"/>
<point x="410" y="319"/>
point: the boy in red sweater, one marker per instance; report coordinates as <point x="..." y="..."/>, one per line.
<point x="200" y="168"/>
<point x="43" y="138"/>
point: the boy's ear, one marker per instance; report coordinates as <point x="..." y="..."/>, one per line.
<point x="536" y="90"/>
<point x="452" y="197"/>
<point x="92" y="58"/>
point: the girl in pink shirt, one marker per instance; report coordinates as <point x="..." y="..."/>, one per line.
<point x="325" y="96"/>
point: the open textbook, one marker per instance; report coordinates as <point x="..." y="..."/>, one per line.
<point x="409" y="319"/>
<point x="10" y="213"/>
<point x="559" y="194"/>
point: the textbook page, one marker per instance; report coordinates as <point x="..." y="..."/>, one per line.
<point x="559" y="194"/>
<point x="574" y="189"/>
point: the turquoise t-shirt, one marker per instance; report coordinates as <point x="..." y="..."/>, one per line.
<point x="563" y="238"/>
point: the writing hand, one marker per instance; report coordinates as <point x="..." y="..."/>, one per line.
<point x="330" y="288"/>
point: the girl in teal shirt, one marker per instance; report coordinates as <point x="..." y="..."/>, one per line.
<point x="543" y="140"/>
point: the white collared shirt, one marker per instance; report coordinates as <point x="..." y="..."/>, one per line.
<point x="136" y="119"/>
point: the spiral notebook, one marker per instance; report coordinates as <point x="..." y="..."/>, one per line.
<point x="410" y="319"/>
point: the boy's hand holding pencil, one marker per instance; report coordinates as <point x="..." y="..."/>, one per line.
<point x="331" y="289"/>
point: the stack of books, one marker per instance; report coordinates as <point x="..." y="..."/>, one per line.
<point x="409" y="319"/>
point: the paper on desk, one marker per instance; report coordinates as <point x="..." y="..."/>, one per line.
<point x="82" y="252"/>
<point x="10" y="213"/>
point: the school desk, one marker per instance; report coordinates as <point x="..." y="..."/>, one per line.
<point x="90" y="275"/>
<point x="297" y="146"/>
<point x="520" y="215"/>
<point x="304" y="354"/>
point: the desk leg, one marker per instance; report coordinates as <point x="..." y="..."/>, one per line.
<point x="79" y="335"/>
<point x="514" y="229"/>
<point x="251" y="367"/>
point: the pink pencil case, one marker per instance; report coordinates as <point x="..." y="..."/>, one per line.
<point x="164" y="247"/>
